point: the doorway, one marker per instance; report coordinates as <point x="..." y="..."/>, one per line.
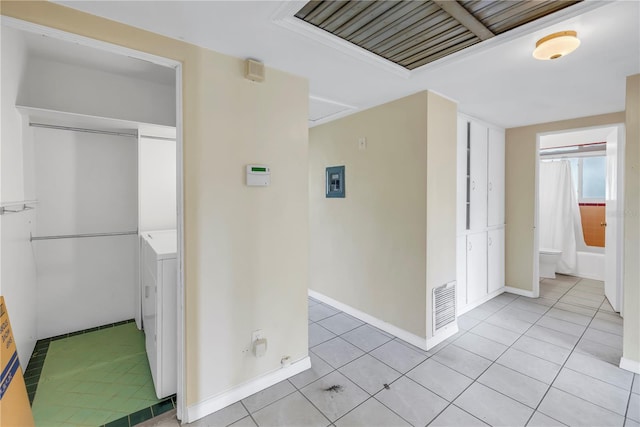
<point x="98" y="47"/>
<point x="594" y="160"/>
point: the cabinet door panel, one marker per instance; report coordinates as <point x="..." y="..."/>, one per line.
<point x="461" y="176"/>
<point x="461" y="271"/>
<point x="495" y="178"/>
<point x="478" y="182"/>
<point x="476" y="266"/>
<point x="495" y="259"/>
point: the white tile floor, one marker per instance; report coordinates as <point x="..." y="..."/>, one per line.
<point x="516" y="361"/>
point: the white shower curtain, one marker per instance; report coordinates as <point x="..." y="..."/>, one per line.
<point x="559" y="221"/>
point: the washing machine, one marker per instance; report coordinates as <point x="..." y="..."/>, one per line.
<point x="159" y="307"/>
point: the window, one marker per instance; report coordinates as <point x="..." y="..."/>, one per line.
<point x="594" y="175"/>
<point x="589" y="176"/>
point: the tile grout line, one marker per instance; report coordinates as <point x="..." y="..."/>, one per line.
<point x="495" y="361"/>
<point x="565" y="361"/>
<point x="511" y="346"/>
<point x="563" y="365"/>
<point x="147" y="410"/>
<point x="430" y="355"/>
<point x="473" y="381"/>
<point x="309" y="400"/>
<point x="249" y="412"/>
<point x="357" y="385"/>
<point x="371" y="355"/>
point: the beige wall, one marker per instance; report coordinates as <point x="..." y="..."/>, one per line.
<point x="246" y="249"/>
<point x="631" y="348"/>
<point x="370" y="249"/>
<point x="441" y="195"/>
<point x="520" y="181"/>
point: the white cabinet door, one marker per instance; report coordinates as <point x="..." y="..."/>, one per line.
<point x="150" y="307"/>
<point x="462" y="175"/>
<point x="495" y="178"/>
<point x="495" y="259"/>
<point x="476" y="266"/>
<point x="478" y="183"/>
<point x="167" y="333"/>
<point x="461" y="271"/>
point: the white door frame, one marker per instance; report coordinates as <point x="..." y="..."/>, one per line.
<point x="619" y="230"/>
<point x="165" y="62"/>
<point x="615" y="218"/>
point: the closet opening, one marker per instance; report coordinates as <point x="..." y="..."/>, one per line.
<point x="92" y="158"/>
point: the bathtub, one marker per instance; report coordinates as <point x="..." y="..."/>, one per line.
<point x="590" y="264"/>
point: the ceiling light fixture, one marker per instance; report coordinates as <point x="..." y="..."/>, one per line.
<point x="556" y="45"/>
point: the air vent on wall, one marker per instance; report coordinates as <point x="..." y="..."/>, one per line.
<point x="254" y="70"/>
<point x="444" y="306"/>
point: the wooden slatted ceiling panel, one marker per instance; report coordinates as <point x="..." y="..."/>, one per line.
<point x="502" y="16"/>
<point x="412" y="33"/>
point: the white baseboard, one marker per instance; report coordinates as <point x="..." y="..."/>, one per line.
<point x="380" y="324"/>
<point x="630" y="365"/>
<point x="471" y="306"/>
<point x="222" y="400"/>
<point x="518" y="291"/>
<point x="449" y="331"/>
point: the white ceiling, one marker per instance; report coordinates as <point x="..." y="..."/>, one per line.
<point x="497" y="80"/>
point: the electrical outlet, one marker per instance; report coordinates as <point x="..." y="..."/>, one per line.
<point x="256" y="335"/>
<point x="285" y="361"/>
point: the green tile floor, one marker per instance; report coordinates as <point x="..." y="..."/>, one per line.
<point x="92" y="378"/>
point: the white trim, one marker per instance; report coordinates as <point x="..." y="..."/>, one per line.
<point x="479" y="302"/>
<point x="535" y="280"/>
<point x="284" y="17"/>
<point x="332" y="117"/>
<point x="449" y="331"/>
<point x="86" y="41"/>
<point x="380" y="324"/>
<point x="442" y="95"/>
<point x="531" y="29"/>
<point x="620" y="128"/>
<point x="354" y="110"/>
<point x="348" y="109"/>
<point x="468" y="117"/>
<point x="330" y="101"/>
<point x="237" y="393"/>
<point x="620" y="178"/>
<point x="180" y="298"/>
<point x="521" y="292"/>
<point x="104" y="123"/>
<point x="630" y="365"/>
<point x="166" y="62"/>
<point x="582" y="275"/>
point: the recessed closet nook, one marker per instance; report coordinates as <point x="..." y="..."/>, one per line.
<point x="480" y="213"/>
<point x="88" y="173"/>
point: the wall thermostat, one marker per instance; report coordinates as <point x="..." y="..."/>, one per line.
<point x="258" y="175"/>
